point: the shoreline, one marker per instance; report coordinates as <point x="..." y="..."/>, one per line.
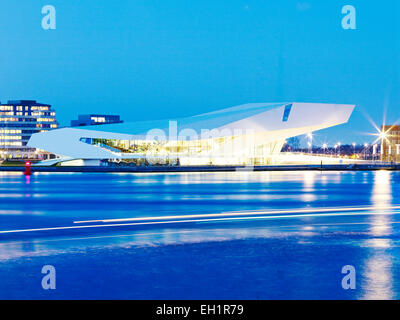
<point x="164" y="169"/>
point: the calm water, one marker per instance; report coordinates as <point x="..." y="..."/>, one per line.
<point x="255" y="235"/>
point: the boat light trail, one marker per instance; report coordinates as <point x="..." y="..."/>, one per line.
<point x="246" y="213"/>
<point x="268" y="217"/>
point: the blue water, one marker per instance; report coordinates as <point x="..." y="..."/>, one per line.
<point x="242" y="235"/>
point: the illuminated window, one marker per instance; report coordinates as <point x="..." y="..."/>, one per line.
<point x="10" y="137"/>
<point x="98" y="119"/>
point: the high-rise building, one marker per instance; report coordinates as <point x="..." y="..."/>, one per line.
<point x="390" y="143"/>
<point x="95" y="119"/>
<point x="19" y="119"/>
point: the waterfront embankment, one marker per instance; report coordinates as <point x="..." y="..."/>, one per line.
<point x="165" y="169"/>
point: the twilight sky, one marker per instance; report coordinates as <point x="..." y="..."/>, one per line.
<point x="172" y="58"/>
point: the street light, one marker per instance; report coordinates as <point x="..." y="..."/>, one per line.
<point x="324" y="146"/>
<point x="374" y="149"/>
<point x="310" y="137"/>
<point x="365" y="150"/>
<point x="354" y="149"/>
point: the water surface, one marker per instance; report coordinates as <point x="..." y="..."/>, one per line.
<point x="237" y="235"/>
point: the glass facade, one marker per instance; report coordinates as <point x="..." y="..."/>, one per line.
<point x="229" y="150"/>
<point x="19" y="119"/>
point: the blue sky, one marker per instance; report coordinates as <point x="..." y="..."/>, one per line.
<point x="167" y="59"/>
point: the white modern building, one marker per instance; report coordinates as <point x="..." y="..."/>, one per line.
<point x="249" y="134"/>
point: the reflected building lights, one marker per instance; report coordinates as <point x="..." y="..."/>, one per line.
<point x="379" y="277"/>
<point x="378" y="271"/>
<point x="309" y="180"/>
<point x="381" y="197"/>
<point x="308" y="187"/>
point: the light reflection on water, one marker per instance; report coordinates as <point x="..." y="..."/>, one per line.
<point x="378" y="266"/>
<point x="368" y="242"/>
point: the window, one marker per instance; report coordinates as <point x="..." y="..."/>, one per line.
<point x="286" y="113"/>
<point x="98" y="119"/>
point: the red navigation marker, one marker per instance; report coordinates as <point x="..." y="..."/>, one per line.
<point x="28" y="170"/>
